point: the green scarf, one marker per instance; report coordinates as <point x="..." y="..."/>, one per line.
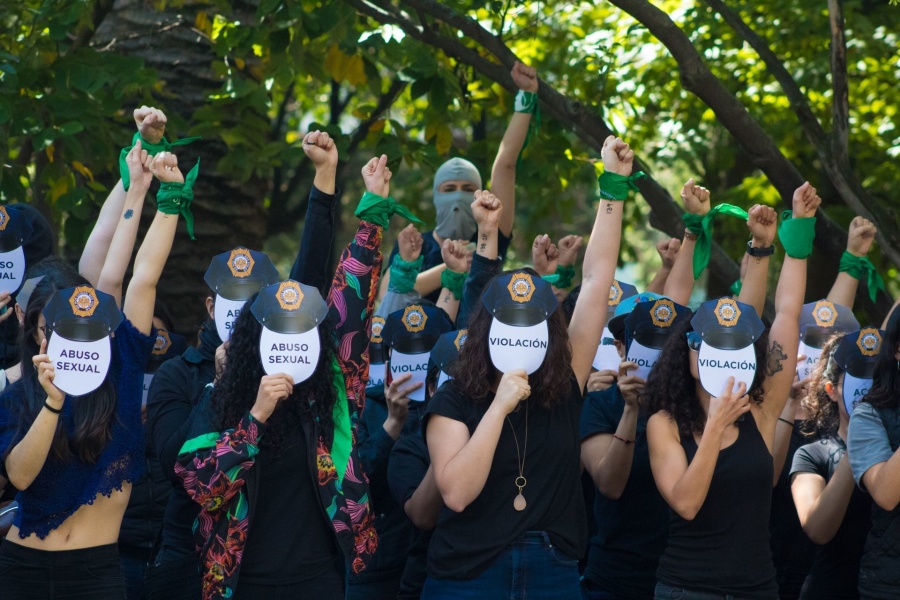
<point x="797" y="235"/>
<point x="859" y="266"/>
<point x="701" y="225"/>
<point x="404" y="273"/>
<point x="175" y="198"/>
<point x="616" y="187"/>
<point x="343" y="438"/>
<point x="379" y="210"/>
<point x="152" y="150"/>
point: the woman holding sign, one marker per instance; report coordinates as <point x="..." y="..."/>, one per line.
<point x="503" y="434"/>
<point x="715" y="398"/>
<point x="74" y="458"/>
<point x="271" y="457"/>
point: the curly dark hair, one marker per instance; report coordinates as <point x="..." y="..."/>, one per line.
<point x="823" y="414"/>
<point x="671" y="387"/>
<point x="474" y="372"/>
<point x="885" y="390"/>
<point x="235" y="392"/>
<point x="93" y="414"/>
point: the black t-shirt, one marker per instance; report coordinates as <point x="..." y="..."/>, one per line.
<point x="406" y="470"/>
<point x="289" y="541"/>
<point x="835" y="571"/>
<point x="631" y="531"/>
<point x="464" y="544"/>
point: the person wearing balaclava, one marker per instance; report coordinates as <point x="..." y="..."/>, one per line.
<point x="454" y="187"/>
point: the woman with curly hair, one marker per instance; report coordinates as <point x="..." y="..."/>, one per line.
<point x="504" y="444"/>
<point x="712" y="455"/>
<point x="272" y="462"/>
<point x="834" y="513"/>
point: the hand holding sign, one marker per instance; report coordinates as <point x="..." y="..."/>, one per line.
<point x="805" y="201"/>
<point x="861" y="235"/>
<point x="397" y="398"/>
<point x="320" y="149"/>
<point x="695" y="198"/>
<point x="272" y="390"/>
<point x="46" y="375"/>
<point x="601" y="380"/>
<point x="618" y="157"/>
<point x="165" y="167"/>
<point x="377" y="176"/>
<point x="151" y="123"/>
<point x="630" y="386"/>
<point x="544" y="255"/>
<point x="486" y="208"/>
<point x="513" y="389"/>
<point x="5" y="300"/>
<point x="725" y="409"/>
<point x="762" y="221"/>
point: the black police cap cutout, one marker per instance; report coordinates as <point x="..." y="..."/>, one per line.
<point x="415" y="329"/>
<point x="82" y="314"/>
<point x="727" y="324"/>
<point x="519" y="299"/>
<point x="857" y="351"/>
<point x="240" y="273"/>
<point x="289" y="307"/>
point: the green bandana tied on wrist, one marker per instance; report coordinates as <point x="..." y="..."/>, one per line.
<point x="404" y="273"/>
<point x="175" y="198"/>
<point x="615" y="187"/>
<point x="736" y="287"/>
<point x="797" y="235"/>
<point x="379" y="210"/>
<point x="701" y="225"/>
<point x="860" y="266"/>
<point x="340" y="447"/>
<point x="562" y="279"/>
<point x="454" y="282"/>
<point x="152" y="150"/>
<point x="527" y="102"/>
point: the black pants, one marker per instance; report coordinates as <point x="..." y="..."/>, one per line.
<point x="85" y="574"/>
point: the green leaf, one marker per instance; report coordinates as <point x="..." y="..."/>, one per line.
<point x="353" y="282"/>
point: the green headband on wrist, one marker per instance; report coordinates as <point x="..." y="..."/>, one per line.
<point x="616" y="187"/>
<point x="701" y="226"/>
<point x="404" y="273"/>
<point x="379" y="210"/>
<point x="860" y="266"/>
<point x="563" y="277"/>
<point x="797" y="235"/>
<point x="175" y="198"/>
<point x="152" y="150"/>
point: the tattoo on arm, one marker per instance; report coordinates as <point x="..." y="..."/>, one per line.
<point x="483" y="246"/>
<point x="609" y="208"/>
<point x="483" y="237"/>
<point x="129" y="213"/>
<point x="775" y="359"/>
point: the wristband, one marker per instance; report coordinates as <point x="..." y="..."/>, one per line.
<point x="175" y="198"/>
<point x="55" y="411"/>
<point x="152" y="150"/>
<point x="783" y="420"/>
<point x="404" y="273"/>
<point x="526" y="102"/>
<point x="701" y="226"/>
<point x="615" y="187"/>
<point x="736" y="287"/>
<point x="859" y="266"/>
<point x="625" y="441"/>
<point x="379" y="210"/>
<point x="797" y="235"/>
<point x="563" y="277"/>
<point x="690" y="235"/>
<point x="760" y="252"/>
<point x="454" y="282"/>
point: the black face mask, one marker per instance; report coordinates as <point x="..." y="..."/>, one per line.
<point x="209" y="340"/>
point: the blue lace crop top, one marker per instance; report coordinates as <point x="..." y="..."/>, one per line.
<point x="62" y="487"/>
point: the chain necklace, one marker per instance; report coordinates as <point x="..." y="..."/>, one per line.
<point x="519" y="503"/>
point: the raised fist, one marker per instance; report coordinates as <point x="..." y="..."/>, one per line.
<point x="138" y="162"/>
<point x="618" y="157"/>
<point x="320" y="149"/>
<point x="861" y="235"/>
<point x="695" y="198"/>
<point x="410" y="243"/>
<point x="568" y="250"/>
<point x="544" y="255"/>
<point x="377" y="176"/>
<point x="805" y="201"/>
<point x="455" y="255"/>
<point x="762" y="221"/>
<point x="668" y="251"/>
<point x="524" y="77"/>
<point x="151" y="123"/>
<point x="164" y="167"/>
<point x="486" y="208"/>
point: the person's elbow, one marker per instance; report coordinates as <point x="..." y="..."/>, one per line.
<point x="456" y="500"/>
<point x="816" y="535"/>
<point x="885" y="501"/>
<point x="611" y="490"/>
<point x="423" y="519"/>
<point x="19" y="480"/>
<point x="503" y="165"/>
<point x="687" y="510"/>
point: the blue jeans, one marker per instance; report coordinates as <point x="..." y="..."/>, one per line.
<point x="530" y="568"/>
<point x="667" y="592"/>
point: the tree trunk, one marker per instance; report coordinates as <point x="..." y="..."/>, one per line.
<point x="226" y="213"/>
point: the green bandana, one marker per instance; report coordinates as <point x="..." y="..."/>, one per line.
<point x="175" y="198"/>
<point x="404" y="273"/>
<point x="859" y="266"/>
<point x="736" y="287"/>
<point x="454" y="282"/>
<point x="152" y="150"/>
<point x="562" y="279"/>
<point x="797" y="235"/>
<point x="701" y="225"/>
<point x="340" y="447"/>
<point x="615" y="187"/>
<point x="527" y="102"/>
<point x="379" y="210"/>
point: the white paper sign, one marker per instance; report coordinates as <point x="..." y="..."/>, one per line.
<point x="644" y="357"/>
<point x="518" y="347"/>
<point x="376" y="374"/>
<point x="80" y="367"/>
<point x="416" y="365"/>
<point x="806" y="366"/>
<point x="12" y="270"/>
<point x="716" y="366"/>
<point x="607" y="357"/>
<point x="855" y="390"/>
<point x="148" y="378"/>
<point x="226" y="313"/>
<point x="296" y="354"/>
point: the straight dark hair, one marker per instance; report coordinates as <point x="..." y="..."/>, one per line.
<point x="474" y="372"/>
<point x="885" y="390"/>
<point x="93" y="414"/>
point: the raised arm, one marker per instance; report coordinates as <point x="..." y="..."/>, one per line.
<point x="151" y="124"/>
<point x="154" y="251"/>
<point x="762" y="221"/>
<point x="784" y="335"/>
<point x="454" y="276"/>
<point x="405" y="265"/>
<point x="599" y="267"/>
<point x="311" y="264"/>
<point x="668" y="253"/>
<point x="860" y="236"/>
<point x="680" y="283"/>
<point x="503" y="173"/>
<point x="486" y="208"/>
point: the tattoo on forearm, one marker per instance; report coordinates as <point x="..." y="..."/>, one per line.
<point x="483" y="237"/>
<point x="482" y="247"/>
<point x="129" y="213"/>
<point x="775" y="359"/>
<point x="609" y="208"/>
<point x="447" y="298"/>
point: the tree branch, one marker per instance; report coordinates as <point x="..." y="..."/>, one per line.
<point x="840" y="101"/>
